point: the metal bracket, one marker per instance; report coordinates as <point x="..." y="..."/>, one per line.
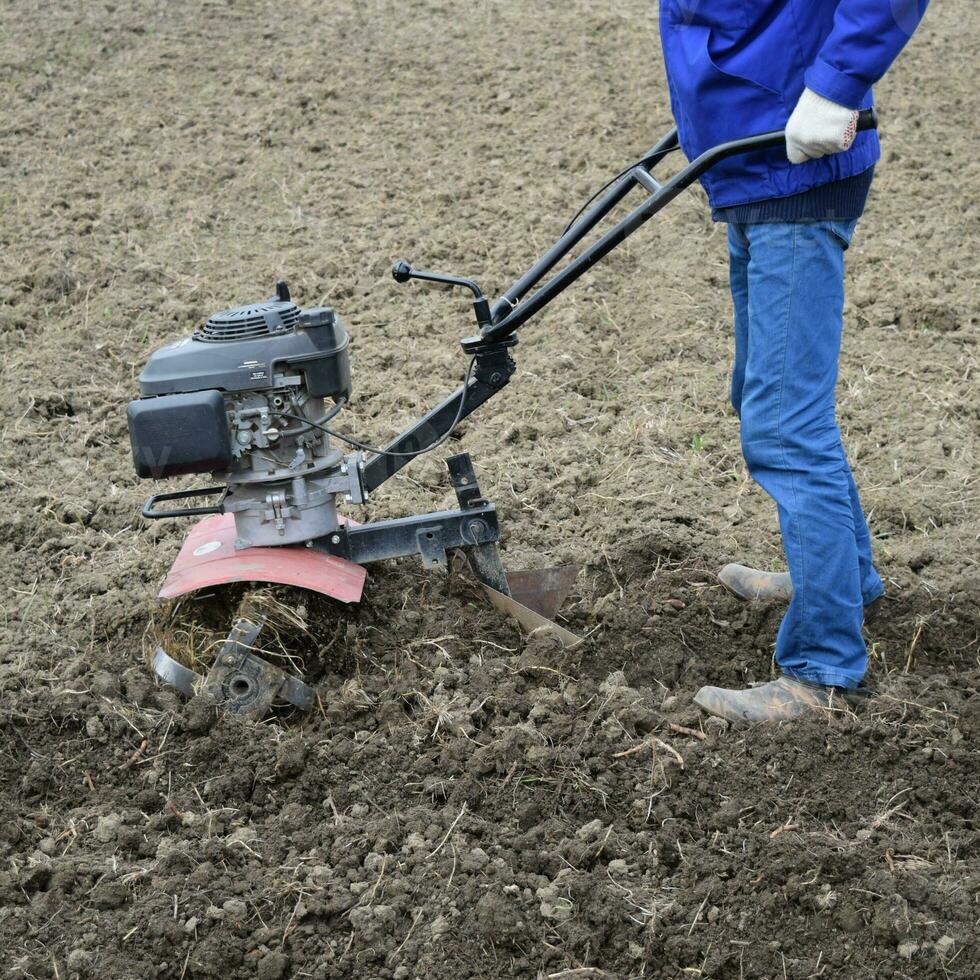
<point x="486" y="564"/>
<point x="352" y="467"/>
<point x="430" y="546"/>
<point x="464" y="481"/>
<point x="484" y="556"/>
<point x="402" y="536"/>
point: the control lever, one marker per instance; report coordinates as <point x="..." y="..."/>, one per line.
<point x="402" y="271"/>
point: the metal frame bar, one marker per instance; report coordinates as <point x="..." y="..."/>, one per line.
<point x="149" y="505"/>
<point x="493" y="369"/>
<point x="428" y="535"/>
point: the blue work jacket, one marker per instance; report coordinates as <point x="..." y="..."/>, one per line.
<point x="738" y="67"/>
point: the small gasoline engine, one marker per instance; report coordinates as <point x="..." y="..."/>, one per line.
<point x="245" y="397"/>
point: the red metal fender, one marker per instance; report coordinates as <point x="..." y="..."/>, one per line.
<point x="208" y="557"/>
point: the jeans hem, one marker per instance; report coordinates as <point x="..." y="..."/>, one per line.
<point x="876" y="594"/>
<point x="826" y="678"/>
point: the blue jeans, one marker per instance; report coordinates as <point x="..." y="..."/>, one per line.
<point x="787" y="283"/>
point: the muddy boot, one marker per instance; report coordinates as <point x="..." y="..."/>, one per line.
<point x="750" y="583"/>
<point x="778" y="700"/>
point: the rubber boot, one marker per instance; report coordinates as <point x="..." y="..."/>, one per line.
<point x="779" y="700"/>
<point x="751" y="583"/>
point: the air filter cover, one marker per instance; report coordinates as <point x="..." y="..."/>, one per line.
<point x="248" y="347"/>
<point x="249" y="322"/>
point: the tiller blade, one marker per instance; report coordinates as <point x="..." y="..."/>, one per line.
<point x="240" y="682"/>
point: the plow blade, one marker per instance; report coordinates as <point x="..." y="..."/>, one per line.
<point x="528" y="618"/>
<point x="532" y="598"/>
<point x="544" y="590"/>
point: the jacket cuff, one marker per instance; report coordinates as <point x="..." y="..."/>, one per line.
<point x="832" y="84"/>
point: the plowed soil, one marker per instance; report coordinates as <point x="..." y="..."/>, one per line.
<point x="461" y="804"/>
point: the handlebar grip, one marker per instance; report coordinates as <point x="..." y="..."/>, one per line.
<point x="867" y="119"/>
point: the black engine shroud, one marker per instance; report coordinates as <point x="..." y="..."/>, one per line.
<point x="180" y="426"/>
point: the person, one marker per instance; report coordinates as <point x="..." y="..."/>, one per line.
<point x="735" y="68"/>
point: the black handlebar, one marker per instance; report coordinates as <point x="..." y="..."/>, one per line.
<point x="867" y="119"/>
<point x="497" y="327"/>
<point x="512" y="310"/>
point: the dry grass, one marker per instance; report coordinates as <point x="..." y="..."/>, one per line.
<point x="191" y="629"/>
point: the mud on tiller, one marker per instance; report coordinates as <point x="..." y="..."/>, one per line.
<point x="244" y="398"/>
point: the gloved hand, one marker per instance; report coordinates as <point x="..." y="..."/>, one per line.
<point x="818" y="127"/>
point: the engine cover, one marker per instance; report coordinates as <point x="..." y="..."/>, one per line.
<point x="177" y="434"/>
<point x="265" y="341"/>
<point x="243" y="399"/>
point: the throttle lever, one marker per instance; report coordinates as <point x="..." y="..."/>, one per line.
<point x="402" y="271"/>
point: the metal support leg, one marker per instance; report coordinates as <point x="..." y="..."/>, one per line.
<point x="484" y="558"/>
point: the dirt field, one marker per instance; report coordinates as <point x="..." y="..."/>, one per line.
<point x="461" y="807"/>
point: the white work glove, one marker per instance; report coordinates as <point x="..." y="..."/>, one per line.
<point x="818" y="127"/>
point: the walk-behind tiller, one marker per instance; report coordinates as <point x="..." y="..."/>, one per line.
<point x="244" y="398"/>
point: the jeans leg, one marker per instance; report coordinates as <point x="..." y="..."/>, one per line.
<point x="792" y="444"/>
<point x="738" y="279"/>
<point x="738" y="269"/>
<point x="871" y="584"/>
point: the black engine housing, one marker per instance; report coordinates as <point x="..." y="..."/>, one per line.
<point x="178" y="434"/>
<point x="248" y="347"/>
<point x="181" y="424"/>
